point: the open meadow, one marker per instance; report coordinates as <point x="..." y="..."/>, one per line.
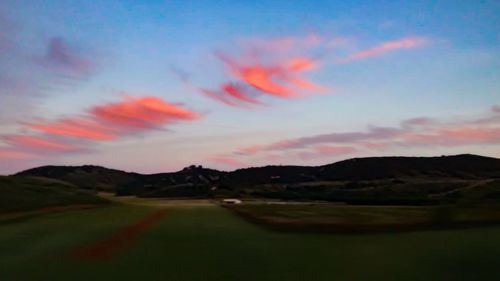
<point x="139" y="240"/>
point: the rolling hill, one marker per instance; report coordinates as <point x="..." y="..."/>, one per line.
<point x="375" y="179"/>
<point x="87" y="176"/>
<point x="25" y="193"/>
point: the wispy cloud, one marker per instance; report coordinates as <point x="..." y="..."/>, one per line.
<point x="113" y="120"/>
<point x="226" y="160"/>
<point x="454" y="136"/>
<point x="11" y="154"/>
<point x="372" y="134"/>
<point x="63" y="58"/>
<point x="279" y="79"/>
<point x="322" y="151"/>
<point x="419" y="121"/>
<point x="106" y="122"/>
<point x="389" y="46"/>
<point x="414" y="132"/>
<point x="274" y="67"/>
<point x="37" y="144"/>
<point x="79" y="127"/>
<point x="27" y="77"/>
<point x="141" y="113"/>
<point x="278" y="67"/>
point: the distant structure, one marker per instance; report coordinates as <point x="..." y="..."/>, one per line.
<point x="231" y="201"/>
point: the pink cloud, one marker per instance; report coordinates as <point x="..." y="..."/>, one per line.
<point x="113" y="120"/>
<point x="79" y="127"/>
<point x="276" y="67"/>
<point x="238" y="92"/>
<point x="105" y="122"/>
<point x="471" y="133"/>
<point x="454" y="136"/>
<point x="11" y="154"/>
<point x="279" y="79"/>
<point x="273" y="67"/>
<point x="415" y="132"/>
<point x="334" y="150"/>
<point x="39" y="144"/>
<point x="219" y="96"/>
<point x="142" y="113"/>
<point x="261" y="78"/>
<point x="374" y="145"/>
<point x="249" y="150"/>
<point x="226" y="161"/>
<point x="232" y="94"/>
<point x="322" y="151"/>
<point x="404" y="43"/>
<point x="373" y="133"/>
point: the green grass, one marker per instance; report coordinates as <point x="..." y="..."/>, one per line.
<point x="19" y="193"/>
<point x="211" y="243"/>
<point x="362" y="219"/>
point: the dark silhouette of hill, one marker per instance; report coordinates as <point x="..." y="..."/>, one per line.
<point x="457" y="166"/>
<point x="25" y="193"/>
<point x="87" y="176"/>
<point x="416" y="178"/>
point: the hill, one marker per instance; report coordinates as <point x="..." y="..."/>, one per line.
<point x="465" y="166"/>
<point x="22" y="193"/>
<point x="375" y="180"/>
<point x="87" y="176"/>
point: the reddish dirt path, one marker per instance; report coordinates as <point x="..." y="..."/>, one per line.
<point x="119" y="240"/>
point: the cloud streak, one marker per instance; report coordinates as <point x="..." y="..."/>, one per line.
<point x="261" y="68"/>
<point x="147" y="112"/>
<point x="10" y="154"/>
<point x="36" y="144"/>
<point x="276" y="79"/>
<point x="414" y="132"/>
<point x="113" y="120"/>
<point x="386" y="47"/>
<point x="277" y="67"/>
<point x="106" y="122"/>
<point x="79" y="127"/>
<point x="226" y="160"/>
<point x="63" y="58"/>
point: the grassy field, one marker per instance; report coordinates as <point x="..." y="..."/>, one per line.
<point x="310" y="217"/>
<point x="212" y="243"/>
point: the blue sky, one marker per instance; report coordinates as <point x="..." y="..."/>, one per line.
<point x="102" y="82"/>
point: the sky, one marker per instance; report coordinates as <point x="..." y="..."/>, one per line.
<point x="154" y="86"/>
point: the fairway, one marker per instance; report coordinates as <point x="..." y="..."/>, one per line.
<point x="211" y="243"/>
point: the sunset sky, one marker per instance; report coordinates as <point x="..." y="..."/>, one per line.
<point x="154" y="86"/>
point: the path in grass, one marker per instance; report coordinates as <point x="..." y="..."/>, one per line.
<point x="119" y="240"/>
<point x="211" y="243"/>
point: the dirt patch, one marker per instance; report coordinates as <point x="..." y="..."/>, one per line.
<point x="121" y="239"/>
<point x="159" y="202"/>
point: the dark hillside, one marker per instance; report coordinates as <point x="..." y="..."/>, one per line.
<point x="270" y="174"/>
<point x="375" y="180"/>
<point x="21" y="193"/>
<point x="88" y="176"/>
<point x="459" y="166"/>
